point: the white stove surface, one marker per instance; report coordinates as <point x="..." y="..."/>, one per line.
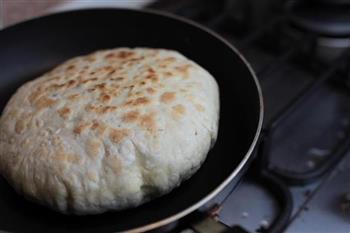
<point x="322" y="207"/>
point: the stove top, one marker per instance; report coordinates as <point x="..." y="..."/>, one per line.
<point x="300" y="52"/>
<point x="299" y="181"/>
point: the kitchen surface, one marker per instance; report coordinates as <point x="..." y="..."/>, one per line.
<point x="299" y="181"/>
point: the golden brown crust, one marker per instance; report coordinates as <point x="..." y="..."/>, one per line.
<point x="117" y="135"/>
<point x="131" y="116"/>
<point x="167" y="97"/>
<point x="178" y="110"/>
<point x="64" y="112"/>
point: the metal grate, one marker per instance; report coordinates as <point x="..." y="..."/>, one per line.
<point x="234" y="21"/>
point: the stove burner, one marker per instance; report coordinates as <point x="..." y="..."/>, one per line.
<point x="301" y="60"/>
<point x="327" y="18"/>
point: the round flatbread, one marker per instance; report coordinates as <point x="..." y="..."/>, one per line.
<point x="109" y="130"/>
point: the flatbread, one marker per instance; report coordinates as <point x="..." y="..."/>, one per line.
<point x="109" y="130"/>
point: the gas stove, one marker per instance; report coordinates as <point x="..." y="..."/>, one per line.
<point x="300" y="52"/>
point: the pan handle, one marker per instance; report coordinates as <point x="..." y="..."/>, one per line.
<point x="210" y="225"/>
<point x="208" y="222"/>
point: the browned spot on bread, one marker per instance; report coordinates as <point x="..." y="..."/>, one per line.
<point x="129" y="102"/>
<point x="131" y="116"/>
<point x="74" y="158"/>
<point x="99" y="127"/>
<point x="71" y="67"/>
<point x="168" y="74"/>
<point x="89" y="80"/>
<point x="102" y="71"/>
<point x="93" y="146"/>
<point x="169" y="59"/>
<point x="110" y="55"/>
<point x="95" y="124"/>
<point x="105" y="98"/>
<point x="151" y="70"/>
<point x="83" y="70"/>
<point x="73" y="97"/>
<point x="119" y="54"/>
<point x="118" y="79"/>
<point x="35" y="95"/>
<point x="64" y="112"/>
<point x="166" y="61"/>
<point x="125" y="54"/>
<point x="71" y="83"/>
<point x="167" y="97"/>
<point x="55" y="87"/>
<point x="67" y="157"/>
<point x="108" y="68"/>
<point x="136" y="59"/>
<point x="61" y="156"/>
<point x="91" y="58"/>
<point x="117" y="135"/>
<point x="44" y="102"/>
<point x="150" y="90"/>
<point x="141" y="101"/>
<point x="147" y="121"/>
<point x="178" y="110"/>
<point x="184" y="70"/>
<point x="199" y="107"/>
<point x="20" y="126"/>
<point x="91" y="89"/>
<point x="108" y="109"/>
<point x="116" y="86"/>
<point x="112" y="92"/>
<point x="81" y="127"/>
<point x="90" y="107"/>
<point x="138" y="101"/>
<point x="100" y="109"/>
<point x="154" y="78"/>
<point x="111" y="72"/>
<point x="101" y="86"/>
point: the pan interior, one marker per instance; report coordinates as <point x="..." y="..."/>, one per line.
<point x="33" y="47"/>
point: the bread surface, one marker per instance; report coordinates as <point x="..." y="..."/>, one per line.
<point x="109" y="130"/>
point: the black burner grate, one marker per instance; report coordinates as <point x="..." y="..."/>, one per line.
<point x="255" y="26"/>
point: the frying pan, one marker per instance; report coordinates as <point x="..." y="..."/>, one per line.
<point x="31" y="48"/>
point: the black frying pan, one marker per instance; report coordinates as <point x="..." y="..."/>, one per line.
<point x="31" y="48"/>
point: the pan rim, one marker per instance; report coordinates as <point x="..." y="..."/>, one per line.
<point x="248" y="154"/>
<point x="246" y="157"/>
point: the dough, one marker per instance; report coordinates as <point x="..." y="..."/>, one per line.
<point x="109" y="130"/>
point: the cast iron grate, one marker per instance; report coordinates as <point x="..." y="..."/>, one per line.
<point x="234" y="20"/>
